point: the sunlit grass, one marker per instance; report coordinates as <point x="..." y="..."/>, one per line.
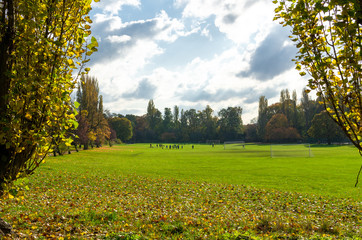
<point x="137" y="192"/>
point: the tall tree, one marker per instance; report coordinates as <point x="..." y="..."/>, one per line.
<point x="89" y="99"/>
<point x="323" y="128"/>
<point x="40" y="46"/>
<point x="209" y="123"/>
<point x="279" y="130"/>
<point x="167" y="120"/>
<point x="230" y="123"/>
<point x="122" y="127"/>
<point x="262" y="116"/>
<point x="154" y="120"/>
<point x="328" y="35"/>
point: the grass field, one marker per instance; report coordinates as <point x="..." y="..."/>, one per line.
<point x="138" y="192"/>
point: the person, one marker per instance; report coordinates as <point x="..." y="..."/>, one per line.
<point x="213" y="145"/>
<point x="192" y="146"/>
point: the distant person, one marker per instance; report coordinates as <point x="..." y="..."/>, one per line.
<point x="192" y="146"/>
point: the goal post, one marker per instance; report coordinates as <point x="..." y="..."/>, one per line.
<point x="234" y="145"/>
<point x="290" y="150"/>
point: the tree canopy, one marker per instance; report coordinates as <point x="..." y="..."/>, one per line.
<point x="41" y="44"/>
<point x="328" y="36"/>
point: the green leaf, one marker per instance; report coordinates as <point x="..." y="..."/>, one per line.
<point x="94" y="42"/>
<point x="76" y="104"/>
<point x="328" y="18"/>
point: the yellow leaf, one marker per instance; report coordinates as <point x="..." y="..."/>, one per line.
<point x="70" y="62"/>
<point x="28" y="116"/>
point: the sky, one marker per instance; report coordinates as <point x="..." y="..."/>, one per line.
<point x="191" y="53"/>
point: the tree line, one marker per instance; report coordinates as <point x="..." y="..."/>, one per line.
<point x="287" y="121"/>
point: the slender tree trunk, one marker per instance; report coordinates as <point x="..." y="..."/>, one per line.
<point x="76" y="147"/>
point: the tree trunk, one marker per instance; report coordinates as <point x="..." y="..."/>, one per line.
<point x="5" y="156"/>
<point x="7" y="33"/>
<point x="76" y="147"/>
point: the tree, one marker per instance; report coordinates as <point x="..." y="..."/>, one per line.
<point x="82" y="129"/>
<point x="262" y="117"/>
<point x="230" y="123"/>
<point x="167" y="120"/>
<point x="251" y="134"/>
<point x="279" y="130"/>
<point x="208" y="123"/>
<point x="89" y="99"/>
<point x="324" y="128"/>
<point x="122" y="127"/>
<point x="154" y="120"/>
<point x="40" y="46"/>
<point x="328" y="35"/>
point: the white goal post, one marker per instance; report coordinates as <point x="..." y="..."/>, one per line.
<point x="234" y="145"/>
<point x="290" y="150"/>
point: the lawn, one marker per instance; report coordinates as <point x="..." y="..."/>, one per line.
<point x="138" y="192"/>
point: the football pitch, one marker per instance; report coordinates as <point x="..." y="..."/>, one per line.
<point x="330" y="171"/>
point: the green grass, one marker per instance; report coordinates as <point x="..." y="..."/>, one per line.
<point x="137" y="192"/>
<point x="331" y="171"/>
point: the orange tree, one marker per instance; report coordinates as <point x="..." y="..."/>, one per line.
<point x="41" y="43"/>
<point x="328" y="36"/>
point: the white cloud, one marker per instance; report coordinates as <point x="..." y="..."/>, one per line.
<point x="112" y="22"/>
<point x="126" y="71"/>
<point x="119" y="39"/>
<point x="114" y="6"/>
<point x="239" y="20"/>
<point x="170" y="29"/>
<point x="118" y="76"/>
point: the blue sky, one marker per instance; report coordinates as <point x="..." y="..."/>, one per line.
<point x="191" y="53"/>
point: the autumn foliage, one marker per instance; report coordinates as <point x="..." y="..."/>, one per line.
<point x="41" y="44"/>
<point x="278" y="130"/>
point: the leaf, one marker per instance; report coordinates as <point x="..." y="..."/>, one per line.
<point x="70" y="62"/>
<point x="76" y="104"/>
<point x="28" y="116"/>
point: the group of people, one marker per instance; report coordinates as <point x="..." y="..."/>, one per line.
<point x="174" y="146"/>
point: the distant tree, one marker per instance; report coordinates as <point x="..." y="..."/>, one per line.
<point x="328" y="35"/>
<point x="193" y="125"/>
<point x="167" y="120"/>
<point x="307" y="109"/>
<point x="168" y="137"/>
<point x="89" y="100"/>
<point x="122" y="127"/>
<point x="82" y="129"/>
<point x="184" y="127"/>
<point x="176" y="115"/>
<point x="323" y="128"/>
<point x="251" y="133"/>
<point x="208" y="123"/>
<point x="140" y="129"/>
<point x="154" y="120"/>
<point x="176" y="121"/>
<point x="262" y="116"/>
<point x="278" y="130"/>
<point x="230" y="122"/>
